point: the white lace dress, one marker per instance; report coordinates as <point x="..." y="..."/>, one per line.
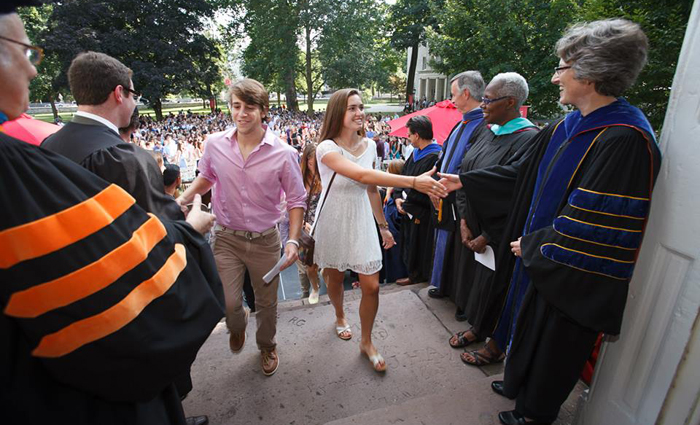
<point x="346" y="235"/>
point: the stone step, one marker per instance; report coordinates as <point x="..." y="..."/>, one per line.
<point x="322" y="379"/>
<point x="473" y="404"/>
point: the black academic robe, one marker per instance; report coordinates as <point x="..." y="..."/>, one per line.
<point x="470" y="280"/>
<point x="448" y="218"/>
<point x="579" y="266"/>
<point x="417" y="230"/>
<point x="103" y="304"/>
<point x="100" y="150"/>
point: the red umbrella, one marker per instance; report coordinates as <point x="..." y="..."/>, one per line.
<point x="444" y="116"/>
<point x="29" y="130"/>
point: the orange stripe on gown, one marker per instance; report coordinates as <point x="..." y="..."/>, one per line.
<point x="57" y="231"/>
<point x="86" y="281"/>
<point x="116" y="317"/>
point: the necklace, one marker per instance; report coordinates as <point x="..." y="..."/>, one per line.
<point x="355" y="149"/>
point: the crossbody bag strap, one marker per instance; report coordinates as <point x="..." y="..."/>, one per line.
<point x="323" y="203"/>
<point x="325" y="197"/>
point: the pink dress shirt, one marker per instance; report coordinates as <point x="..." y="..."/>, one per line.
<point x="247" y="193"/>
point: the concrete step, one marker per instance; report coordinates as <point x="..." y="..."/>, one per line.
<point x="322" y="379"/>
<point x="473" y="404"/>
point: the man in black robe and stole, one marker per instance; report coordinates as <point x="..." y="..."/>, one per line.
<point x="473" y="289"/>
<point x="102" y="87"/>
<point x="581" y="199"/>
<point x="103" y="305"/>
<point x="106" y="99"/>
<point x="416" y="226"/>
<point x="467" y="89"/>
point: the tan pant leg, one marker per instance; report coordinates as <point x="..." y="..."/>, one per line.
<point x="303" y="277"/>
<point x="263" y="255"/>
<point x="228" y="253"/>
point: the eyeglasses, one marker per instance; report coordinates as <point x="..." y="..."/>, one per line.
<point x="560" y="69"/>
<point x="487" y="101"/>
<point x="34" y="53"/>
<point x="137" y="95"/>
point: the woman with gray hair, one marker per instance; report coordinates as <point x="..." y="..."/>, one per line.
<point x="580" y="205"/>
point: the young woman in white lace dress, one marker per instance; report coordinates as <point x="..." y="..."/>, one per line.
<point x="345" y="233"/>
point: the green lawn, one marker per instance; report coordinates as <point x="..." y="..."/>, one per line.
<point x="319" y="105"/>
<point x="66" y="116"/>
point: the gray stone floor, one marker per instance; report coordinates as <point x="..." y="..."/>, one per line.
<point x="325" y="380"/>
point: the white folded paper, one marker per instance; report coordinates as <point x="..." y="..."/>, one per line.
<point x="488" y="258"/>
<point x="275" y="270"/>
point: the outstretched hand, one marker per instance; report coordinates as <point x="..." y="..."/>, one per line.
<point x="425" y="183"/>
<point x="201" y="221"/>
<point x="449" y="183"/>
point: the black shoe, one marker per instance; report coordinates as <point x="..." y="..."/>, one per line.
<point x="497" y="387"/>
<point x="197" y="420"/>
<point x="511" y="417"/>
<point x="435" y="293"/>
<point x="460" y="315"/>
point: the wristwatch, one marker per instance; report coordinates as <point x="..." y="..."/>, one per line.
<point x="384" y="226"/>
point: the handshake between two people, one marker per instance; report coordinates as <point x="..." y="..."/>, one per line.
<point x="437" y="189"/>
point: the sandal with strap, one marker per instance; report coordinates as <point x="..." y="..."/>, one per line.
<point x="481" y="359"/>
<point x="462" y="340"/>
<point x="340" y="330"/>
<point x="377" y="361"/>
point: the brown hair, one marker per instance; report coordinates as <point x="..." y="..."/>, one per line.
<point x="335" y="114"/>
<point x="395" y="166"/>
<point x="93" y="76"/>
<point x="310" y="177"/>
<point x="252" y="93"/>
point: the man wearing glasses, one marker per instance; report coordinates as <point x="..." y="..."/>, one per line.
<point x="15" y="82"/>
<point x="103" y="307"/>
<point x="102" y="87"/>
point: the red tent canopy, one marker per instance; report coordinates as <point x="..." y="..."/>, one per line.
<point x="444" y="116"/>
<point x="29" y="130"/>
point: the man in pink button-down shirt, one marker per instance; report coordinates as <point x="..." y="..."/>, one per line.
<point x="249" y="169"/>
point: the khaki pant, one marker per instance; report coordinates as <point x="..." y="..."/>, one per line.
<point x="234" y="254"/>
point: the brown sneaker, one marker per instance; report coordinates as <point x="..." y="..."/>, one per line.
<point x="270" y="361"/>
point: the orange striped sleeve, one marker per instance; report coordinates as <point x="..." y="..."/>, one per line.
<point x="116" y="317"/>
<point x="86" y="281"/>
<point x="54" y="232"/>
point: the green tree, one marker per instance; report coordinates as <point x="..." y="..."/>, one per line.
<point x="664" y="22"/>
<point x="409" y="20"/>
<point x="161" y="41"/>
<point x="313" y="16"/>
<point x="348" y="44"/>
<point x="272" y="57"/>
<point x="45" y="87"/>
<point x="512" y="35"/>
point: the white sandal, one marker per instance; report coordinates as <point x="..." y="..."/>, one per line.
<point x="376" y="360"/>
<point x="340" y="329"/>
<point x="313" y="298"/>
